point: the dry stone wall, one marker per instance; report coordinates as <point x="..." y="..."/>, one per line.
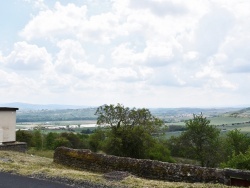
<point x="87" y="160"/>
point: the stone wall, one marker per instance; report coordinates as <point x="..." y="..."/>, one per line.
<point x="87" y="160"/>
<point x="15" y="146"/>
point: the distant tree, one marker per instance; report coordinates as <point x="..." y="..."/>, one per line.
<point x="74" y="140"/>
<point x="201" y="140"/>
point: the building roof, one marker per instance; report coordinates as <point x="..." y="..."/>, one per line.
<point x="8" y="109"/>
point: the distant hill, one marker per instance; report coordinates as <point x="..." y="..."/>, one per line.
<point x="56" y="115"/>
<point x="240" y="113"/>
<point x="27" y="106"/>
<point x="53" y="112"/>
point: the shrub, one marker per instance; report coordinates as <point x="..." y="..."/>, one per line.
<point x="240" y="161"/>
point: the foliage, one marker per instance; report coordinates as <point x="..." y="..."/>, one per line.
<point x="61" y="141"/>
<point x="200" y="141"/>
<point x="117" y="116"/>
<point x="130" y="132"/>
<point x="37" y="139"/>
<point x="50" y="140"/>
<point x="177" y="146"/>
<point x="237" y="142"/>
<point x="86" y="131"/>
<point x="160" y="152"/>
<point x="96" y="139"/>
<point x="240" y="161"/>
<point x="24" y="136"/>
<point x="128" y="142"/>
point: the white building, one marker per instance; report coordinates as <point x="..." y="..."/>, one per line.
<point x="7" y="124"/>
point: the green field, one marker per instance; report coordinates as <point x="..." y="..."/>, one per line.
<point x="225" y="123"/>
<point x="227" y="120"/>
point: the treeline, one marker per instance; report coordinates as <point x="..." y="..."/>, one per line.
<point x="137" y="133"/>
<point x="52" y="140"/>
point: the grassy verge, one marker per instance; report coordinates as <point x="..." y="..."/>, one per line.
<point x="41" y="153"/>
<point x="32" y="165"/>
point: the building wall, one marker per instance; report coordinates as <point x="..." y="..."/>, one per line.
<point x="7" y="126"/>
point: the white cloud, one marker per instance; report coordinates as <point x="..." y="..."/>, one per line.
<point x="212" y="30"/>
<point x="28" y="57"/>
<point x="62" y="20"/>
<point x="160" y="8"/>
<point x="214" y="78"/>
<point x="72" y="59"/>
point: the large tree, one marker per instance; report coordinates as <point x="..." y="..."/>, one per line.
<point x="117" y="116"/>
<point x="201" y="140"/>
<point x="130" y="132"/>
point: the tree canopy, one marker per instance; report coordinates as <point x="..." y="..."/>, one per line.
<point x="117" y="116"/>
<point x="131" y="132"/>
<point x="201" y="140"/>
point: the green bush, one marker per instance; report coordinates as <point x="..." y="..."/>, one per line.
<point x="24" y="136"/>
<point x="160" y="152"/>
<point x="61" y="141"/>
<point x="96" y="140"/>
<point x="240" y="161"/>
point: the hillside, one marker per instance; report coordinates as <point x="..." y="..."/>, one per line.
<point x="56" y="115"/>
<point x="243" y="113"/>
<point x="44" y="168"/>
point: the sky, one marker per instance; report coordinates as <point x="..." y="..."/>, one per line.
<point x="140" y="53"/>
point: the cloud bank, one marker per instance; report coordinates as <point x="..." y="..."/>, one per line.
<point x="152" y="53"/>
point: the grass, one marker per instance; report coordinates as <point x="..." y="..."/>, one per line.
<point x="32" y="165"/>
<point x="227" y="120"/>
<point x="41" y="153"/>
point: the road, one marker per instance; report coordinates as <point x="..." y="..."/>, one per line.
<point x="14" y="181"/>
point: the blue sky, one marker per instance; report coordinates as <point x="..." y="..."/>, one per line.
<point x="150" y="53"/>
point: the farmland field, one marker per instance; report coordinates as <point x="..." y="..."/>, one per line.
<point x="227" y="120"/>
<point x="225" y="123"/>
